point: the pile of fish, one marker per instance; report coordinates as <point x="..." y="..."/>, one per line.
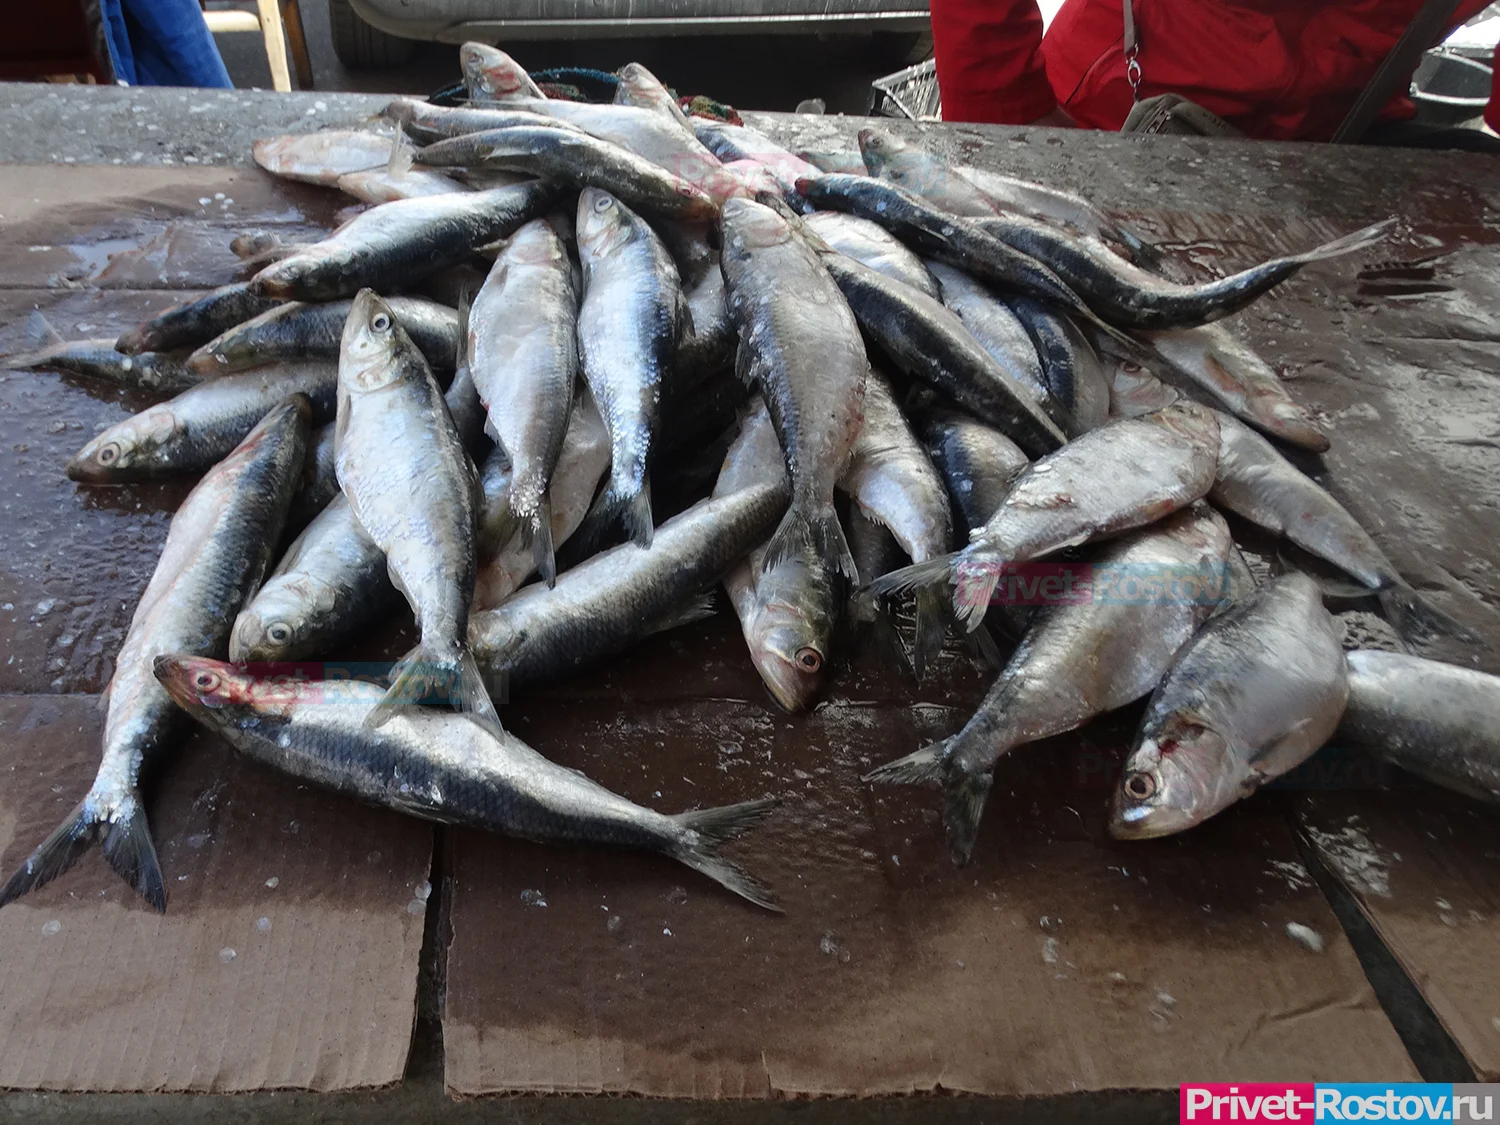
<point x="925" y="380"/>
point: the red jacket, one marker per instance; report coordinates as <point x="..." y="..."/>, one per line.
<point x="1283" y="69"/>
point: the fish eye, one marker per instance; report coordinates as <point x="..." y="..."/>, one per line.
<point x="1140" y="786"/>
<point x="108" y="453"/>
<point x="381" y="322"/>
<point x="809" y="659"/>
<point x="278" y="632"/>
<point x="206" y="681"/>
<point x="1131" y="368"/>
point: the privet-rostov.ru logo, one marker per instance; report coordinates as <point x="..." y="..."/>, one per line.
<point x="1342" y="1101"/>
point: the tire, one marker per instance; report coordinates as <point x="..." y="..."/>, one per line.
<point x="902" y="48"/>
<point x="360" y="46"/>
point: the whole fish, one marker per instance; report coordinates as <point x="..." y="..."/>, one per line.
<point x="321" y="158"/>
<point x="403" y="467"/>
<point x="1256" y="482"/>
<point x="978" y="464"/>
<point x="1133" y="390"/>
<point x="1438" y="721"/>
<point x="189" y="433"/>
<point x="874" y="246"/>
<point x="578" y="160"/>
<point x="581" y="465"/>
<point x="425" y="122"/>
<point x="798" y="334"/>
<point x="629" y="324"/>
<point x="444" y="769"/>
<point x="490" y="75"/>
<point x="894" y="483"/>
<point x="936" y="234"/>
<point x="928" y="342"/>
<point x="1127" y="296"/>
<point x="379" y="185"/>
<point x="195" y="322"/>
<point x="787" y="613"/>
<point x="888" y="158"/>
<point x="1124" y="475"/>
<point x="98" y="360"/>
<point x="602" y="605"/>
<point x="523" y="355"/>
<point x="333" y="580"/>
<point x="640" y="88"/>
<point x="397" y="243"/>
<point x="1080" y="658"/>
<point x="218" y="546"/>
<point x="1071" y="368"/>
<point x="1215" y="361"/>
<point x="1253" y="695"/>
<point x="298" y="330"/>
<point x="999" y="332"/>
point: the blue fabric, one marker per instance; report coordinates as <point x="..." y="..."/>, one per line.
<point x="162" y="43"/>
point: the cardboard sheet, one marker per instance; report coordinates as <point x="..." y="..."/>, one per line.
<point x="288" y="955"/>
<point x="1422" y="863"/>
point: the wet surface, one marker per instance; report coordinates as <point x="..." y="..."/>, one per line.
<point x="1044" y="968"/>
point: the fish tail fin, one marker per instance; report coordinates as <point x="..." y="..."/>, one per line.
<point x="1142" y="253"/>
<point x="966" y="794"/>
<point x="932" y="627"/>
<point x="927" y="764"/>
<point x="539" y="531"/>
<point x="1414" y="617"/>
<point x="403" y="155"/>
<point x="127" y="848"/>
<point x="635" y="515"/>
<point x="913" y="577"/>
<point x="1348" y="244"/>
<point x="40" y="332"/>
<point x="820" y="534"/>
<point x="708" y="830"/>
<point x="428" y="672"/>
<point x="866" y="613"/>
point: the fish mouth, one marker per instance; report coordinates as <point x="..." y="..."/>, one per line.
<point x="85" y="470"/>
<point x="205" y="363"/>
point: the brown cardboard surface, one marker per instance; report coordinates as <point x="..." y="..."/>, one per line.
<point x="1059" y="961"/>
<point x="288" y="955"/>
<point x="1424" y="865"/>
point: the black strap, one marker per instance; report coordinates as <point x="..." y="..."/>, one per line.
<point x="1423" y="32"/>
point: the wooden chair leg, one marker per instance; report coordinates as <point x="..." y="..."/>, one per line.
<point x="270" y="26"/>
<point x="291" y="15"/>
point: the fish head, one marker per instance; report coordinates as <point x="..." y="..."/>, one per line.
<point x="604" y="223"/>
<point x="131" y="447"/>
<point x="367" y="353"/>
<point x="748" y="226"/>
<point x="1182" y="772"/>
<point x="284" y="622"/>
<point x="792" y="630"/>
<point x="490" y="73"/>
<point x="877" y="148"/>
<point x="223" y="695"/>
<point x="638" y="82"/>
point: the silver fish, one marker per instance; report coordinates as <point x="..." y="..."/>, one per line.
<point x="217" y="548"/>
<point x="99" y="360"/>
<point x="1080" y="658"/>
<point x="523" y="355"/>
<point x="1121" y="476"/>
<point x="403" y="467"/>
<point x="1253" y="695"/>
<point x="191" y="432"/>
<point x="321" y="158"/>
<point x="998" y="330"/>
<point x="1438" y="721"/>
<point x="894" y="483"/>
<point x="442" y="768"/>
<point x="395" y="244"/>
<point x="298" y="330"/>
<point x="787" y="613"/>
<point x="601" y="606"/>
<point x="581" y="465"/>
<point x="195" y="322"/>
<point x="871" y="244"/>
<point x="801" y="339"/>
<point x="919" y="171"/>
<point x="1213" y="360"/>
<point x="1256" y="482"/>
<point x="629" y="325"/>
